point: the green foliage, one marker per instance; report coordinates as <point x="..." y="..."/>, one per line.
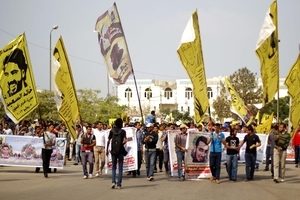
<point x="93" y="108"/>
<point x="184" y="117"/>
<point x="283" y="108"/>
<point x="46" y="109"/>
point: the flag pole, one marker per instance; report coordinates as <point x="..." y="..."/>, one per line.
<point x="132" y="71"/>
<point x="278" y="85"/>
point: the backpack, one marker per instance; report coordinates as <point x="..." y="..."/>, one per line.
<point x="117" y="141"/>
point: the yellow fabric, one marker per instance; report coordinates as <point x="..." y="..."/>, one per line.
<point x="237" y="104"/>
<point x="292" y="82"/>
<point x="17" y="84"/>
<point x="267" y="51"/>
<point x="190" y="54"/>
<point x="65" y="92"/>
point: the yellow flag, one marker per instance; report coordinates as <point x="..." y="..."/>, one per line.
<point x="266" y="124"/>
<point x="267" y="51"/>
<point x="257" y="117"/>
<point x="113" y="45"/>
<point x="64" y="88"/>
<point x="17" y="85"/>
<point x="190" y="53"/>
<point x="237" y="104"/>
<point x="292" y="82"/>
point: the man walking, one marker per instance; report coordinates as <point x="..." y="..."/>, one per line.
<point x="282" y="141"/>
<point x="252" y="141"/>
<point x="216" y="140"/>
<point x="87" y="144"/>
<point x="117" y="136"/>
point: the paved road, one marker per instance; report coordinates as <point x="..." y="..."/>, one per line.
<point x="20" y="183"/>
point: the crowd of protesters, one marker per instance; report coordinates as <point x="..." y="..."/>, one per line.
<point x="153" y="150"/>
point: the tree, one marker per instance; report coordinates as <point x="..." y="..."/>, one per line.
<point x="245" y="84"/>
<point x="46" y="109"/>
<point x="93" y="108"/>
<point x="284" y="108"/>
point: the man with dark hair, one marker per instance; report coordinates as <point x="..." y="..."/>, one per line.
<point x="200" y="151"/>
<point x="49" y="139"/>
<point x="14" y="70"/>
<point x="117" y="136"/>
<point x="252" y="141"/>
<point x="88" y="142"/>
<point x="217" y="138"/>
<point x="282" y="140"/>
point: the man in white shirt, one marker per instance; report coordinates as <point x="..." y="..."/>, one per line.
<point x="49" y="139"/>
<point x="99" y="149"/>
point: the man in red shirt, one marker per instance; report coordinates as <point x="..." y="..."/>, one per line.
<point x="296" y="144"/>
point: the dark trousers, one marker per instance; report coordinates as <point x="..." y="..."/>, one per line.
<point x="215" y="164"/>
<point x="250" y="159"/>
<point x="297" y="154"/>
<point x="160" y="156"/>
<point x="46" y="155"/>
<point x="139" y="161"/>
<point x="117" y="159"/>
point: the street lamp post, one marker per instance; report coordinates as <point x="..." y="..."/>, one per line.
<point x="50" y="67"/>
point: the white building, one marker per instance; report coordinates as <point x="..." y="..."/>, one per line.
<point x="161" y="95"/>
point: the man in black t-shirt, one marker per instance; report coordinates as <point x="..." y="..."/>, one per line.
<point x="232" y="147"/>
<point x="252" y="141"/>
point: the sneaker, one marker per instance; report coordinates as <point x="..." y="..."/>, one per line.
<point x="148" y="178"/>
<point x="97" y="174"/>
<point x="297" y="166"/>
<point x="151" y="178"/>
<point x="160" y="170"/>
<point x="218" y="181"/>
<point x="119" y="187"/>
<point x="85" y="177"/>
<point x="113" y="186"/>
<point x="75" y="164"/>
<point x="282" y="180"/>
<point x="90" y="175"/>
<point x="276" y="181"/>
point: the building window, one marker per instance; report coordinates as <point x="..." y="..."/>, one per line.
<point x="168" y="93"/>
<point x="188" y="109"/>
<point x="188" y="93"/>
<point x="181" y="109"/>
<point x="154" y="108"/>
<point x="128" y="93"/>
<point x="209" y="92"/>
<point x="148" y="93"/>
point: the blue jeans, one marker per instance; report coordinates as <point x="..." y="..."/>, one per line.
<point x="150" y="158"/>
<point x="77" y="153"/>
<point x="297" y="154"/>
<point x="232" y="166"/>
<point x="250" y="159"/>
<point x="180" y="160"/>
<point x="215" y="164"/>
<point x="117" y="159"/>
<point x="87" y="157"/>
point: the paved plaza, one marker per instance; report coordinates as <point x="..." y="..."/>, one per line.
<point x="21" y="183"/>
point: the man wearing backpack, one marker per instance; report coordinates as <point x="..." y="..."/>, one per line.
<point x="282" y="141"/>
<point x="117" y="136"/>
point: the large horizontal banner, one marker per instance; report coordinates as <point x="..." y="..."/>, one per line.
<point x="26" y="151"/>
<point x="197" y="155"/>
<point x="130" y="160"/>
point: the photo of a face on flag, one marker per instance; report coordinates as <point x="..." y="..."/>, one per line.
<point x="113" y="45"/>
<point x="17" y="85"/>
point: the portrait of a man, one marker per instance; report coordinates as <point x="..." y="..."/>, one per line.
<point x="14" y="71"/>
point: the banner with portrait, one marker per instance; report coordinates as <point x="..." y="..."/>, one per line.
<point x="64" y="88"/>
<point x="17" y="84"/>
<point x="130" y="160"/>
<point x="113" y="45"/>
<point x="197" y="156"/>
<point x="26" y="151"/>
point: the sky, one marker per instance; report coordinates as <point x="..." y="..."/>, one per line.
<point x="153" y="29"/>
